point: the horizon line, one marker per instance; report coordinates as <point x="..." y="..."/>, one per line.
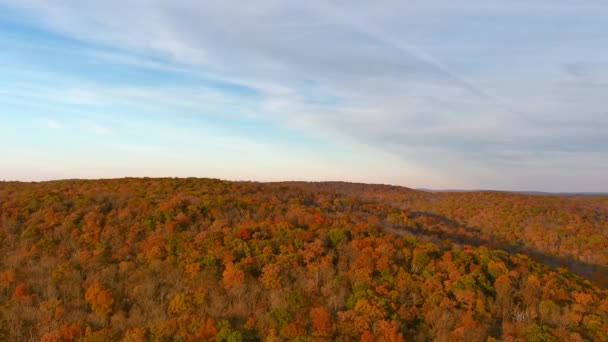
<point x="421" y="189"/>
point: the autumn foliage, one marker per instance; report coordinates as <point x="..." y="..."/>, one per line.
<point x="210" y="260"/>
<point x="100" y="299"/>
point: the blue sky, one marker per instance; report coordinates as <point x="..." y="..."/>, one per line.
<point x="439" y="94"/>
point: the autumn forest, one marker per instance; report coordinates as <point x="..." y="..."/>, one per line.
<point x="211" y="260"/>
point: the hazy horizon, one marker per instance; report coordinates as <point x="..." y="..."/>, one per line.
<point x="496" y="95"/>
<point x="522" y="191"/>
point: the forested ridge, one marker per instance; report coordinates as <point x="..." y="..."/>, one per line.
<point x="211" y="260"/>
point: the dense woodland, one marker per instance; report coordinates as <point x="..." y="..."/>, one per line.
<point x="210" y="260"/>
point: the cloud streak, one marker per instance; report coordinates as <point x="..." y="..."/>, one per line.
<point x="469" y="90"/>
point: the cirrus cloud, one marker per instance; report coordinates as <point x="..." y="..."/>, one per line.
<point x="477" y="90"/>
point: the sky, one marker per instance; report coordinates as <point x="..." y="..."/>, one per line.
<point x="472" y="94"/>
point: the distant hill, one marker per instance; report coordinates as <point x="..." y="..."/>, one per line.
<point x="522" y="192"/>
<point x="206" y="259"/>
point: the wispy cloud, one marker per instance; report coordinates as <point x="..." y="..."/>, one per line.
<point x="468" y="88"/>
<point x="54" y="124"/>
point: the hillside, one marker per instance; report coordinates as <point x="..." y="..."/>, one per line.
<point x="564" y="231"/>
<point x="202" y="259"/>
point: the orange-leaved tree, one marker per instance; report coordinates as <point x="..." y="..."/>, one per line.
<point x="321" y="322"/>
<point x="100" y="299"/>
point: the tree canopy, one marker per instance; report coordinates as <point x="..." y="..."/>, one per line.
<point x="211" y="260"/>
